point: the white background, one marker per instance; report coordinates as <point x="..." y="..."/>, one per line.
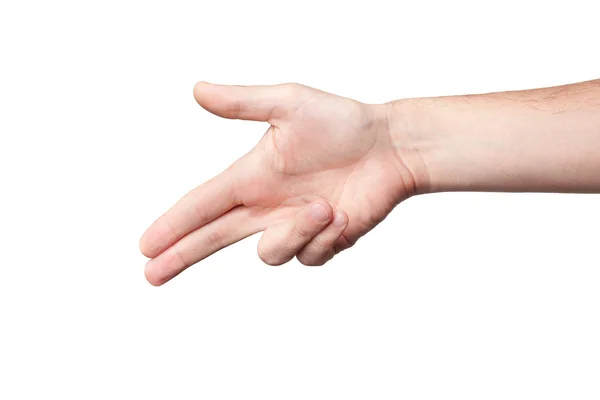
<point x="464" y="295"/>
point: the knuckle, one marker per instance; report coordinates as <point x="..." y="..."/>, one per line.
<point x="339" y="248"/>
<point x="179" y="263"/>
<point x="308" y="260"/>
<point x="321" y="243"/>
<point x="329" y="256"/>
<point x="215" y="239"/>
<point x="191" y="200"/>
<point x="314" y="257"/>
<point x="301" y="232"/>
<point x="343" y="243"/>
<point x="291" y="88"/>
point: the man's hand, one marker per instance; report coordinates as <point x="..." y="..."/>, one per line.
<point x="326" y="172"/>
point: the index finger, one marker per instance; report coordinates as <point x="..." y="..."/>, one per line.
<point x="197" y="208"/>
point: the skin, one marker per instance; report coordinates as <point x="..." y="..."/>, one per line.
<point x="329" y="168"/>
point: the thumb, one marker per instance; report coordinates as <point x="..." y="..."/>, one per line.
<point x="256" y="103"/>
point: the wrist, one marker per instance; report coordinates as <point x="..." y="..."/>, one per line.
<point x="445" y="135"/>
<point x="409" y="141"/>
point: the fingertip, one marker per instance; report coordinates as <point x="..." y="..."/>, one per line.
<point x="320" y="211"/>
<point x="340" y="218"/>
<point x="199" y="88"/>
<point x="157" y="238"/>
<point x="153" y="282"/>
<point x="163" y="268"/>
<point x="145" y="247"/>
<point x="151" y="275"/>
<point x="200" y="85"/>
<point x="156" y="279"/>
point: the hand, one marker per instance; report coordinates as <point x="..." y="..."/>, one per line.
<point x="325" y="173"/>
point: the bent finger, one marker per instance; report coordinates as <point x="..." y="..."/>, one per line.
<point x="280" y="243"/>
<point x="320" y="249"/>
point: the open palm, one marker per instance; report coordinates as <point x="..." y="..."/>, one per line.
<point x="325" y="173"/>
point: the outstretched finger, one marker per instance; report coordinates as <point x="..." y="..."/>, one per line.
<point x="256" y="103"/>
<point x="197" y="208"/>
<point x="232" y="227"/>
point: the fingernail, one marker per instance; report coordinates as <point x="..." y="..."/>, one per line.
<point x="319" y="213"/>
<point x="339" y="219"/>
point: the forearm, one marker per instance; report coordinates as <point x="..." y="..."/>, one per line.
<point x="545" y="140"/>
